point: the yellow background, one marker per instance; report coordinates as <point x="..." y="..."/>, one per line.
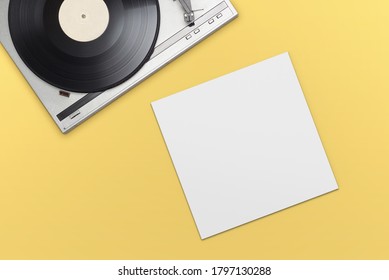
<point x="108" y="190"/>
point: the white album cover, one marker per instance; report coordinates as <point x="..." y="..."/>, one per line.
<point x="244" y="145"/>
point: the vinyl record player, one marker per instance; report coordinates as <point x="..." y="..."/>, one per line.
<point x="80" y="55"/>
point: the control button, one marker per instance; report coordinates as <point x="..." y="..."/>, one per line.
<point x="196" y="31"/>
<point x="219" y="15"/>
<point x="211" y="21"/>
<point x="188" y="37"/>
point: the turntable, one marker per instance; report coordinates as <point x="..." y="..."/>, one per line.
<point x="80" y="55"/>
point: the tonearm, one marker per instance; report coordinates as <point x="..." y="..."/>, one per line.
<point x="189" y="13"/>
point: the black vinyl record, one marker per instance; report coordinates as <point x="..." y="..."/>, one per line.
<point x="124" y="47"/>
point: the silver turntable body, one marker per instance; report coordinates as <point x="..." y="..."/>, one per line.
<point x="176" y="36"/>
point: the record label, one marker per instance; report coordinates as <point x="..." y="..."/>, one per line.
<point x="83" y="20"/>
